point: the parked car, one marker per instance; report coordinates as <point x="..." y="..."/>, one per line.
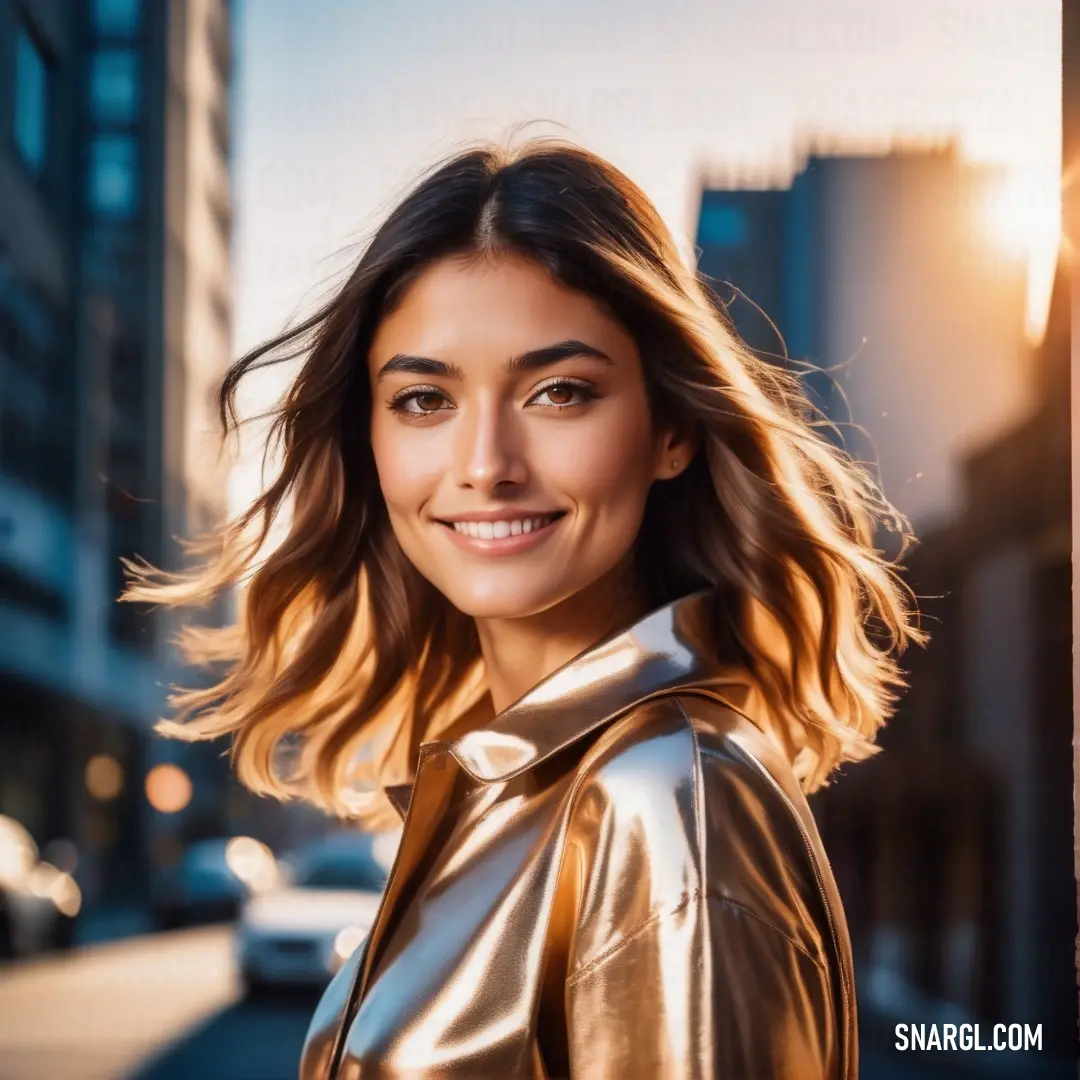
<point x="38" y="902"/>
<point x="211" y="881"/>
<point x="301" y="934"/>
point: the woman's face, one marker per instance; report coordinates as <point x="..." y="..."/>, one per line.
<point x="512" y="435"/>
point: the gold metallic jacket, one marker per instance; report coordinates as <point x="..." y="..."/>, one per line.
<point x="618" y="878"/>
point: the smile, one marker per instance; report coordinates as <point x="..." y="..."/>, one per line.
<point x="502" y="537"/>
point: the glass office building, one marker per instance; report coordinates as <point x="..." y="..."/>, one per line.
<point x="115" y="223"/>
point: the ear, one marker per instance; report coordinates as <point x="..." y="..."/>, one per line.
<point x="674" y="450"/>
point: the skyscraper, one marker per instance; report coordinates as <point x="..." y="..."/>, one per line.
<point x="115" y="306"/>
<point x="881" y="271"/>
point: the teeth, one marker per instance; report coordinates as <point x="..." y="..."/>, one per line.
<point x="498" y="530"/>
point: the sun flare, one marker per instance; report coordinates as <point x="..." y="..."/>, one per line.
<point x="1023" y="216"/>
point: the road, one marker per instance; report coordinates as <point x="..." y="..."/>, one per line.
<point x="166" y="1007"/>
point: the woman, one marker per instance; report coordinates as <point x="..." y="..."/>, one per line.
<point x="574" y="586"/>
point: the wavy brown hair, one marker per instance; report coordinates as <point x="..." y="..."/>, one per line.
<point x="344" y="654"/>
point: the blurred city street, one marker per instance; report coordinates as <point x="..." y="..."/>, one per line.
<point x="882" y="198"/>
<point x="160" y="1007"/>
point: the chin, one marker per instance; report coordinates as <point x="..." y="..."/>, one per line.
<point x="485" y="598"/>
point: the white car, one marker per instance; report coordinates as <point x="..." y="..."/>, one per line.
<point x="301" y="934"/>
<point x="211" y="881"/>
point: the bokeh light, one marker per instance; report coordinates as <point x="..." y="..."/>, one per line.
<point x="252" y="862"/>
<point x="168" y="788"/>
<point x="348" y="941"/>
<point x="384" y="848"/>
<point x="104" y="777"/>
<point x="18" y="852"/>
<point x="49" y="883"/>
<point x="63" y="854"/>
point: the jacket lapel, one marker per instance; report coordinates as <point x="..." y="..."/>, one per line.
<point x="435" y="778"/>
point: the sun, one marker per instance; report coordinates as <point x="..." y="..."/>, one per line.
<point x="1022" y="215"/>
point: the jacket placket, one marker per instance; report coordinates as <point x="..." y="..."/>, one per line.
<point x="436" y="773"/>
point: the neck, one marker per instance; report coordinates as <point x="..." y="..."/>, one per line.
<point x="519" y="653"/>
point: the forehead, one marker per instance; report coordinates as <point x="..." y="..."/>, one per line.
<point x="491" y="308"/>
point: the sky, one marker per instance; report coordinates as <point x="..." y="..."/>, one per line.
<point x="340" y="104"/>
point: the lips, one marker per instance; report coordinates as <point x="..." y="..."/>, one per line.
<point x="502" y="528"/>
<point x="507" y="536"/>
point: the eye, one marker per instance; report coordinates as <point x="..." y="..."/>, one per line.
<point x="564" y="393"/>
<point x="417" y="402"/>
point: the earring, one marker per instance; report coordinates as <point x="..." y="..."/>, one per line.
<point x="675" y="463"/>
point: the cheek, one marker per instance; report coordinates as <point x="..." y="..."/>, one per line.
<point x="607" y="462"/>
<point x="407" y="473"/>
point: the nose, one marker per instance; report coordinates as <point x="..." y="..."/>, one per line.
<point x="486" y="450"/>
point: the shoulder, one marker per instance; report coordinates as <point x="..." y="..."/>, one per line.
<point x="687" y="798"/>
<point x="687" y="747"/>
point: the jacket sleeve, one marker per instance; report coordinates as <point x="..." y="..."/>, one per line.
<point x="708" y="991"/>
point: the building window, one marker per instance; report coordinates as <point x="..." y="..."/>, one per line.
<point x="31" y="102"/>
<point x="114" y="175"/>
<point x="19" y="588"/>
<point x="114" y="86"/>
<point x="117" y="18"/>
<point x="36" y="393"/>
<point x="723" y="226"/>
<point x="129" y="624"/>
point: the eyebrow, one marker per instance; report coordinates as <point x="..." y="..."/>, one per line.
<point x="528" y="361"/>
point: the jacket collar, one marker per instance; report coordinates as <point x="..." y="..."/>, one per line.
<point x="665" y="650"/>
